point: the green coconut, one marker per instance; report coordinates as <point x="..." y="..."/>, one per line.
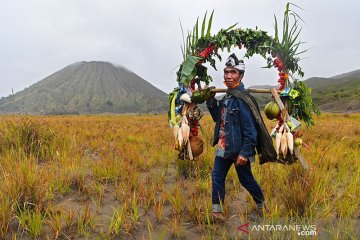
<point x="272" y="110"/>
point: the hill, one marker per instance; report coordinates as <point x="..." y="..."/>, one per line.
<point x="337" y="94"/>
<point x="87" y="88"/>
<point x="340" y="93"/>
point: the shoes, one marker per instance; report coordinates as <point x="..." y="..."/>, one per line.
<point x="256" y="215"/>
<point x="217" y="217"/>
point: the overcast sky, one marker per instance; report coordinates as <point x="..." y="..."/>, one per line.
<point x="39" y="37"/>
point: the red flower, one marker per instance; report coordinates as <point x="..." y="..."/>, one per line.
<point x="192" y="84"/>
<point x="207" y="51"/>
<point x="276" y="61"/>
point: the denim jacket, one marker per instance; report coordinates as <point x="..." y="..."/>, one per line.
<point x="240" y="126"/>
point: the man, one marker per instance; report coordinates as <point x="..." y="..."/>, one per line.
<point x="236" y="136"/>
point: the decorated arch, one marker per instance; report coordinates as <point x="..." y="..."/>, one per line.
<point x="281" y="52"/>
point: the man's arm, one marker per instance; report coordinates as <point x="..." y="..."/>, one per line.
<point x="213" y="106"/>
<point x="248" y="130"/>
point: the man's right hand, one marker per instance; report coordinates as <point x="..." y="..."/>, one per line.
<point x="212" y="94"/>
<point x="240" y="161"/>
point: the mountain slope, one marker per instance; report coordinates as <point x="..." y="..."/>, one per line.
<point x="337" y="94"/>
<point x="340" y="93"/>
<point x="88" y="87"/>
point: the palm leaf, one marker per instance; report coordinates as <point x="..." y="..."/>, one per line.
<point x="193" y="41"/>
<point x="203" y="26"/>
<point x="182" y="51"/>
<point x="231" y="27"/>
<point x="295" y="38"/>
<point x="276" y="30"/>
<point x="187" y="46"/>
<point x="285" y="28"/>
<point x="197" y="29"/>
<point x="209" y="25"/>
<point x="183" y="46"/>
<point x="294" y="13"/>
<point x="300" y="52"/>
<point x="188" y="41"/>
<point x="293" y="28"/>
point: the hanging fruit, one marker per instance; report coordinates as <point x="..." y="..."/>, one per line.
<point x="272" y="110"/>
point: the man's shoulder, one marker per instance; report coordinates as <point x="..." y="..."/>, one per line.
<point x="243" y="96"/>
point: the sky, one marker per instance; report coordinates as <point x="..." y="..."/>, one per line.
<point x="40" y="37"/>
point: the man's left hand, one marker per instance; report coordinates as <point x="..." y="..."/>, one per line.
<point x="241" y="161"/>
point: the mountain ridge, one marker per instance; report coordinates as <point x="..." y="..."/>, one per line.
<point x="340" y="93"/>
<point x="85" y="88"/>
<point x="99" y="87"/>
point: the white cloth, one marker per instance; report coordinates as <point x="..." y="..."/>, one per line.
<point x="235" y="63"/>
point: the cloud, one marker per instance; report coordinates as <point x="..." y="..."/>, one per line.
<point x="41" y="37"/>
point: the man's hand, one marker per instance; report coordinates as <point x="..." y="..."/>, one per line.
<point x="241" y="161"/>
<point x="212" y="94"/>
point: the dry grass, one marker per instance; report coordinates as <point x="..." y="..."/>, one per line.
<point x="114" y="177"/>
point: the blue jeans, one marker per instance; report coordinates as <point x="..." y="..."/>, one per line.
<point x="247" y="180"/>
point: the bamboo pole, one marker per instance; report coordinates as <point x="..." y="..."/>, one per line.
<point x="301" y="159"/>
<point x="252" y="90"/>
<point x="284" y="113"/>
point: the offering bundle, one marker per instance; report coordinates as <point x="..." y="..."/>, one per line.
<point x="291" y="102"/>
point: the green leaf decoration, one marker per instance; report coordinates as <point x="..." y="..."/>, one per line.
<point x="199" y="47"/>
<point x="188" y="71"/>
<point x="231" y="27"/>
<point x="209" y="25"/>
<point x="197" y="29"/>
<point x="203" y="26"/>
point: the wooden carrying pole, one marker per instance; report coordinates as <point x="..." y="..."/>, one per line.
<point x="284" y="114"/>
<point x="252" y="90"/>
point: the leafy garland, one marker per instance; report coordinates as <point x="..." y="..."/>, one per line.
<point x="200" y="47"/>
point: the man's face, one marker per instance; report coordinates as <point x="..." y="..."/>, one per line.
<point x="232" y="75"/>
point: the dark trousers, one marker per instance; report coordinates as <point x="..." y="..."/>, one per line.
<point x="247" y="180"/>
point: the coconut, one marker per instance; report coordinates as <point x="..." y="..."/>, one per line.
<point x="272" y="110"/>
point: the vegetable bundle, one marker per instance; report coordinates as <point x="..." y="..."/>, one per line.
<point x="200" y="47"/>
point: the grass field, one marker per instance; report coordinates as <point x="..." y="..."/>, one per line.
<point x="117" y="177"/>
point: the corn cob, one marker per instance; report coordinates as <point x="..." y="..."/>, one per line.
<point x="283" y="144"/>
<point x="277" y="142"/>
<point x="189" y="151"/>
<point x="185" y="129"/>
<point x="281" y="129"/>
<point x="180" y="138"/>
<point x="290" y="141"/>
<point x="273" y="132"/>
<point x="176" y="131"/>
